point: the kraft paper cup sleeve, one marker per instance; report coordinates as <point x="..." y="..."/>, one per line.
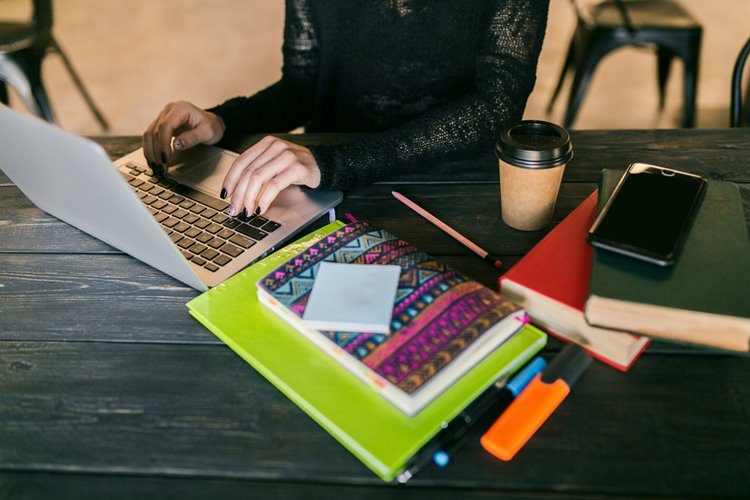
<point x="528" y="196"/>
<point x="532" y="157"/>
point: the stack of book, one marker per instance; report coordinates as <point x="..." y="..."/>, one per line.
<point x="382" y="395"/>
<point x="599" y="299"/>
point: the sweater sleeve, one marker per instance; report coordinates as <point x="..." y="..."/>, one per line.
<point x="504" y="77"/>
<point x="286" y="104"/>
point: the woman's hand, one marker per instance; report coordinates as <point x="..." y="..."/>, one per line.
<point x="181" y="125"/>
<point x="259" y="174"/>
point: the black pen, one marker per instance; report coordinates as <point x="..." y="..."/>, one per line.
<point x="483" y="409"/>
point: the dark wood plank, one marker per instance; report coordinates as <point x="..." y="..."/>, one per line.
<point x="169" y="410"/>
<point x="113" y="298"/>
<point x="93" y="298"/>
<point x="718" y="154"/>
<point x="32" y="486"/>
<point x="25" y="228"/>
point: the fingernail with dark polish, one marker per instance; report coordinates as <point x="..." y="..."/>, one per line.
<point x="223" y="193"/>
<point x="244" y="212"/>
<point x="164" y="157"/>
<point x="257" y="211"/>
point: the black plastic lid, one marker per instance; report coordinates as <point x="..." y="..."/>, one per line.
<point x="534" y="144"/>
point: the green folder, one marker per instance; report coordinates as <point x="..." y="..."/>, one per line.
<point x="342" y="404"/>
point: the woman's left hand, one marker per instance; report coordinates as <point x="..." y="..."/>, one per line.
<point x="259" y="174"/>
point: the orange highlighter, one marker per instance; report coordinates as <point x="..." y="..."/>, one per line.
<point x="536" y="403"/>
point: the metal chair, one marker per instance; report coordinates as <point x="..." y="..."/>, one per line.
<point x="735" y="113"/>
<point x="23" y="46"/>
<point x="610" y="24"/>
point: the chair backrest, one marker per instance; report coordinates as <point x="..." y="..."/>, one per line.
<point x="735" y="110"/>
<point x="584" y="8"/>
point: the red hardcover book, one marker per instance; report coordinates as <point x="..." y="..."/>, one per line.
<point x="551" y="282"/>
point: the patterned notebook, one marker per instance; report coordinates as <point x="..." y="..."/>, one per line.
<point x="443" y="322"/>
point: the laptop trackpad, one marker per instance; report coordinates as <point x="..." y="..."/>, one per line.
<point x="202" y="168"/>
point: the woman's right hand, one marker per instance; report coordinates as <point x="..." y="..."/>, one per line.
<point x="180" y="125"/>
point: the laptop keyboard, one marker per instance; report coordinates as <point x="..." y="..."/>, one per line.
<point x="196" y="222"/>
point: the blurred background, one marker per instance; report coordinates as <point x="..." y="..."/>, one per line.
<point x="134" y="56"/>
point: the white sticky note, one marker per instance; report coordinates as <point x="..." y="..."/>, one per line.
<point x="352" y="298"/>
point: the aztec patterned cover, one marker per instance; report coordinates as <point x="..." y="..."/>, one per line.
<point x="438" y="310"/>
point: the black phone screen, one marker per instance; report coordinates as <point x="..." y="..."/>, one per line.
<point x="649" y="213"/>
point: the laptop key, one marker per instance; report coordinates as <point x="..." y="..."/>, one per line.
<point x="198" y="209"/>
<point x="270" y="226"/>
<point x="208" y="213"/>
<point x="186" y="204"/>
<point x="193" y="232"/>
<point x="204" y="237"/>
<point x="231" y="250"/>
<point x="185" y="243"/>
<point x="197" y="261"/>
<point x="149" y="199"/>
<point x="176" y="237"/>
<point x="231" y="223"/>
<point x="257" y="221"/>
<point x="191" y="218"/>
<point x="160" y="217"/>
<point x="159" y="204"/>
<point x="216" y="243"/>
<point x="170" y="222"/>
<point x="213" y="228"/>
<point x="180" y="213"/>
<point x="169" y="209"/>
<point x="198" y="249"/>
<point x="209" y="254"/>
<point x="181" y="227"/>
<point x="196" y="195"/>
<point x="225" y="233"/>
<point x="250" y="231"/>
<point x="240" y="240"/>
<point x="211" y="267"/>
<point x="219" y="218"/>
<point x="222" y="260"/>
<point x="203" y="223"/>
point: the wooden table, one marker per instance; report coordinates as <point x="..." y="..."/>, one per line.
<point x="108" y="388"/>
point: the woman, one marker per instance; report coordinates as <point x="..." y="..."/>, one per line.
<point x="428" y="78"/>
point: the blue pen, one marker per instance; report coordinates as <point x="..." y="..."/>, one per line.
<point x="482" y="411"/>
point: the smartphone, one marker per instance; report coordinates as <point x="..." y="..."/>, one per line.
<point x="649" y="213"/>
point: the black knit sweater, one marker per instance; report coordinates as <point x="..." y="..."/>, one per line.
<point x="429" y="78"/>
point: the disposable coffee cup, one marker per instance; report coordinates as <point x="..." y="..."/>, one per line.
<point x="532" y="156"/>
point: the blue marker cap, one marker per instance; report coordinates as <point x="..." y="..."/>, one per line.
<point x="526" y="375"/>
<point x="441" y="458"/>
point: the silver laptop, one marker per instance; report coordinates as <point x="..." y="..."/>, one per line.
<point x="177" y="224"/>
